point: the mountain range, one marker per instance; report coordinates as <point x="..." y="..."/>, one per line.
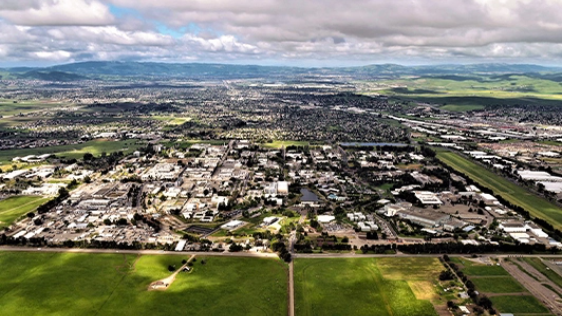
<point x="147" y="70"/>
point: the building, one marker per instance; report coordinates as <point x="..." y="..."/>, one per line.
<point x="233" y="225"/>
<point x="427" y="198"/>
<point x="325" y="219"/>
<point x="425" y="219"/>
<point x="282" y="187"/>
<point x="270" y="220"/>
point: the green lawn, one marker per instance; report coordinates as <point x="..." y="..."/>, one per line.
<point x="95" y="147"/>
<point x="115" y="284"/>
<point x="518" y="304"/>
<point x="14" y="207"/>
<point x="535" y="205"/>
<point x="365" y="286"/>
<point x="497" y="285"/>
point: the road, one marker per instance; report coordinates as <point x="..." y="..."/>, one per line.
<point x="258" y="254"/>
<point x="291" y="290"/>
<point x="143" y="252"/>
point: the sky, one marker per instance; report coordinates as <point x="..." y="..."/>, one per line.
<point x="281" y="32"/>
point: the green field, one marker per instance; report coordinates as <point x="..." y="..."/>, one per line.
<point x="280" y="143"/>
<point x="471" y="268"/>
<point x="115" y="284"/>
<point x="518" y="304"/>
<point x="14" y="207"/>
<point x="95" y="147"/>
<point x="366" y="286"/>
<point x="516" y="195"/>
<point x="474" y="92"/>
<point x="8" y="107"/>
<point x="497" y="285"/>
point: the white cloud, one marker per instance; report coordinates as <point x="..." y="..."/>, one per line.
<point x="56" y="12"/>
<point x="288" y="31"/>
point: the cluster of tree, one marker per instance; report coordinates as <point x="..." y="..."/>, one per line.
<point x="47" y="206"/>
<point x="427" y="151"/>
<point x="378" y="249"/>
<point x="338" y="246"/>
<point x="446" y="275"/>
<point x="281" y="249"/>
<point x="234" y="247"/>
<point x="133" y="178"/>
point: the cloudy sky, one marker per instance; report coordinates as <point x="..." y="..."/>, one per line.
<point x="281" y="32"/>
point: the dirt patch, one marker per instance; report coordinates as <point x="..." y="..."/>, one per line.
<point x="423" y="290"/>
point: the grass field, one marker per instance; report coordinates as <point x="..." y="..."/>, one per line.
<point x="471" y="268"/>
<point x="366" y="286"/>
<point x="280" y="143"/>
<point x="95" y="147"/>
<point x="14" y="207"/>
<point x="497" y="285"/>
<point x="518" y="304"/>
<point x="536" y="206"/>
<point x="115" y="284"/>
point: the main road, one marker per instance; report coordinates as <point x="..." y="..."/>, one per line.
<point x="258" y="254"/>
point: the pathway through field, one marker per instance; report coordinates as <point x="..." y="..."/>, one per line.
<point x="169" y="280"/>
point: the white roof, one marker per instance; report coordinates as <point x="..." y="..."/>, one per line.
<point x="326" y="218"/>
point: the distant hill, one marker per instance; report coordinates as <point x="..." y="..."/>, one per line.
<point x="51" y="76"/>
<point x="104" y="69"/>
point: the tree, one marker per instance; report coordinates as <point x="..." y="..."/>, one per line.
<point x="88" y="156"/>
<point x="171" y="268"/>
<point x="235" y="247"/>
<point x="122" y="222"/>
<point x="107" y="222"/>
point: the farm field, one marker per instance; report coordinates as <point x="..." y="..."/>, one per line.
<point x="366" y="286"/>
<point x="95" y="147"/>
<point x="518" y="305"/>
<point x="14" y="207"/>
<point x="116" y="284"/>
<point x="506" y="293"/>
<point x="536" y="206"/>
<point x="497" y="284"/>
<point x="474" y="92"/>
